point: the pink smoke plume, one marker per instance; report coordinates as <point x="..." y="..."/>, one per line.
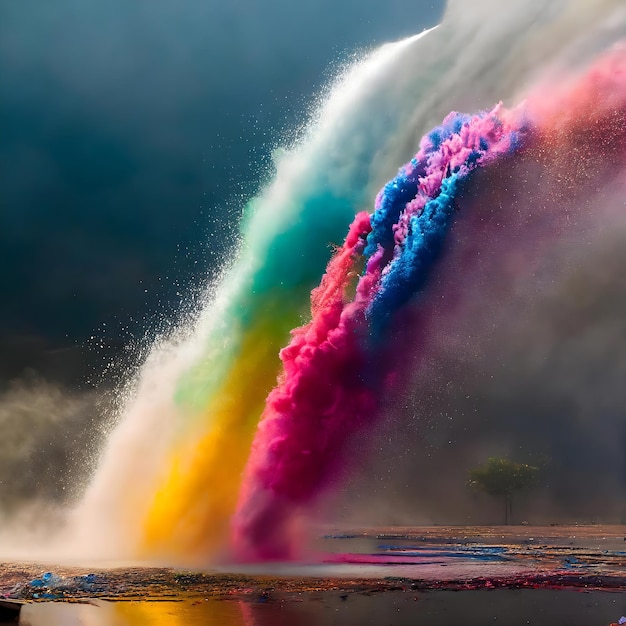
<point x="297" y="435"/>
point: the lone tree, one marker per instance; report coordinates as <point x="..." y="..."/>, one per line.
<point x="501" y="478"/>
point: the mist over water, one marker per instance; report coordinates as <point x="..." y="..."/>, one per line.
<point x="532" y="369"/>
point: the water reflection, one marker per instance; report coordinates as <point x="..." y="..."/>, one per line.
<point x="183" y="613"/>
<point x="133" y="614"/>
<point x="436" y="608"/>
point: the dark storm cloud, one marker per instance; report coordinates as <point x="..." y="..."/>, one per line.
<point x="132" y="131"/>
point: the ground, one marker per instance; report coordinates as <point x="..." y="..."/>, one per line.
<point x="393" y="565"/>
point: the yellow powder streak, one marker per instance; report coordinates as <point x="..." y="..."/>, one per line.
<point x="191" y="510"/>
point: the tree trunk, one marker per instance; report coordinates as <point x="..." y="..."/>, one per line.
<point x="508" y="510"/>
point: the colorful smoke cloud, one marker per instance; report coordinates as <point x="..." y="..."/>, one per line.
<point x="333" y="371"/>
<point x="215" y="466"/>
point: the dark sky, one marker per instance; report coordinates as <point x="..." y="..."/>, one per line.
<point x="131" y="133"/>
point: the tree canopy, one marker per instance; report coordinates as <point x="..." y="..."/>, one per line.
<point x="501" y="478"/>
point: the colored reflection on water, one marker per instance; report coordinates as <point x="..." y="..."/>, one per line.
<point x="434" y="608"/>
<point x="164" y="613"/>
<point x="133" y="614"/>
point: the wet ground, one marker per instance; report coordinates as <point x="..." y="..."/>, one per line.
<point x="431" y="608"/>
<point x="435" y="576"/>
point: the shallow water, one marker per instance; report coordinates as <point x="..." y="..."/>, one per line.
<point x="434" y="608"/>
<point x="361" y="564"/>
<point x="454" y="553"/>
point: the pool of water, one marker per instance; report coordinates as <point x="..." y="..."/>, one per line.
<point x="540" y="607"/>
